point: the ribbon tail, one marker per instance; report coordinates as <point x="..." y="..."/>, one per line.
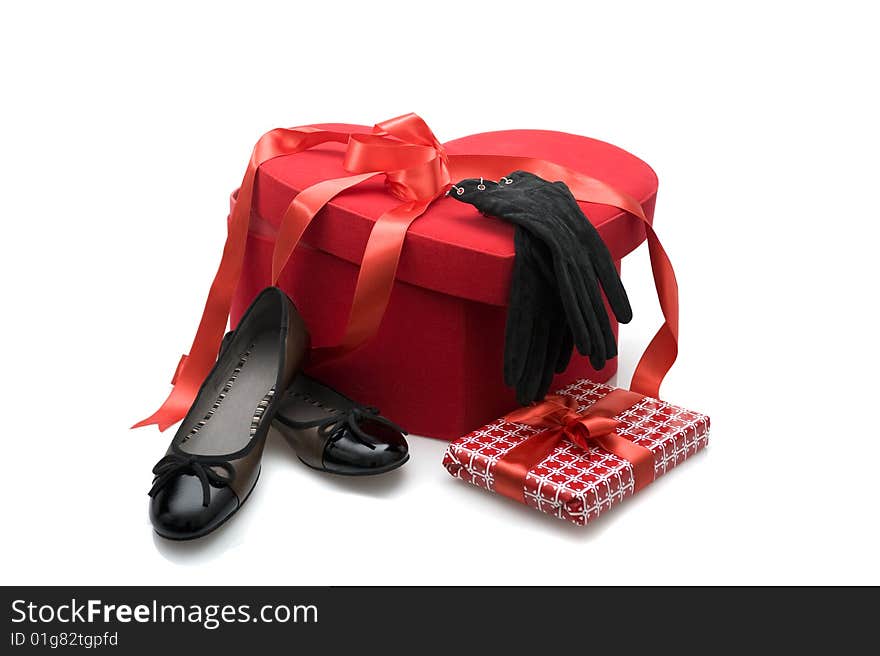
<point x="212" y="325"/>
<point x="375" y="280"/>
<point x="301" y="211"/>
<point x="662" y="351"/>
<point x="174" y="405"/>
<point x="215" y="316"/>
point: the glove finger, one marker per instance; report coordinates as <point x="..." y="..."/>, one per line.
<point x="533" y="374"/>
<point x="583" y="284"/>
<point x="554" y="347"/>
<point x="573" y="308"/>
<point x="584" y="311"/>
<point x="612" y="285"/>
<point x="540" y="258"/>
<point x="550" y="310"/>
<point x="601" y="314"/>
<point x="599" y="322"/>
<point x="566" y="347"/>
<point x="599" y="255"/>
<point x="525" y="293"/>
<point x="517" y="339"/>
<point x="570" y="259"/>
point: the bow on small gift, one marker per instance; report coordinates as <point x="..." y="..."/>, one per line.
<point x="559" y="417"/>
<point x="417" y="170"/>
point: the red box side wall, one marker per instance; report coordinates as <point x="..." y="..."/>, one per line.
<point x="435" y="367"/>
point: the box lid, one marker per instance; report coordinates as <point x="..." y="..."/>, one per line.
<point x="451" y="248"/>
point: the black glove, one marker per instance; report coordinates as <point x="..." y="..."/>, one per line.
<point x="574" y="261"/>
<point x="538" y="339"/>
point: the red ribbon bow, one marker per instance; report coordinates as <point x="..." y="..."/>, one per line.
<point x="417" y="170"/>
<point x="559" y="416"/>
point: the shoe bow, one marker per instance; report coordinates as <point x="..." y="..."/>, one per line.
<point x="209" y="471"/>
<point x="333" y="427"/>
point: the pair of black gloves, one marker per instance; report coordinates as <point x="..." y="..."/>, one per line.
<point x="555" y="297"/>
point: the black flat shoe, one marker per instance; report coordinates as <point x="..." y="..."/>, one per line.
<point x="332" y="433"/>
<point x="213" y="462"/>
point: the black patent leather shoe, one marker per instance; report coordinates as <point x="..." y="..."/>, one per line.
<point x="213" y="462"/>
<point x="332" y="433"/>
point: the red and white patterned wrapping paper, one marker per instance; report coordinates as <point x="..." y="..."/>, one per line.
<point x="580" y="485"/>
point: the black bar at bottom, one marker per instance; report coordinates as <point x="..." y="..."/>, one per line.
<point x="235" y="620"/>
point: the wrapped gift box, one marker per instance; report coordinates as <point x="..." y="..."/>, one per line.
<point x="435" y="365"/>
<point x="575" y="484"/>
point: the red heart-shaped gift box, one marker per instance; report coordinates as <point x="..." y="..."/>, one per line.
<point x="435" y="366"/>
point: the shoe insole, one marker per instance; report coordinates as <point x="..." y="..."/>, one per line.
<point x="308" y="400"/>
<point x="233" y="399"/>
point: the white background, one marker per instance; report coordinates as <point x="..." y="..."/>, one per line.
<point x="124" y="129"/>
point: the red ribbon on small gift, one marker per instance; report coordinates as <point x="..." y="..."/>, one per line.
<point x="417" y="170"/>
<point x="559" y="416"/>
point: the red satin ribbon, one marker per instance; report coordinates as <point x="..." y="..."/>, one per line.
<point x="559" y="416"/>
<point x="417" y="170"/>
